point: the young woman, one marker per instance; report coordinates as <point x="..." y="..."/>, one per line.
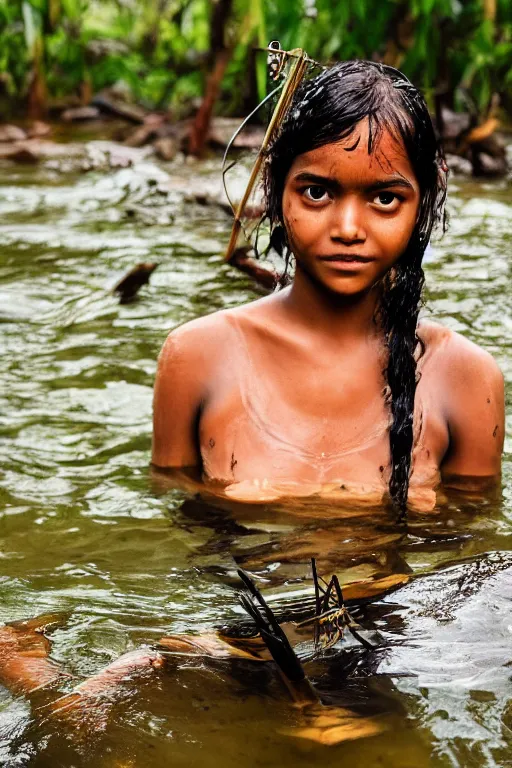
<point x="331" y="385"/>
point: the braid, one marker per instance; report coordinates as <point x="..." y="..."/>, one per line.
<point x="398" y="316"/>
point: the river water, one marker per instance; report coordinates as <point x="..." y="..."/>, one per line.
<point x="87" y="533"/>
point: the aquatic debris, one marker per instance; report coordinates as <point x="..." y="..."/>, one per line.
<point x="249" y="266"/>
<point x="329" y="622"/>
<point x="322" y="723"/>
<point x="331" y="614"/>
<point x="128" y="287"/>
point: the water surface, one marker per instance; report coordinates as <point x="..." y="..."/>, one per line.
<point x="87" y="533"/>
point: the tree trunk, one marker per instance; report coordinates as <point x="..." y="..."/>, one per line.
<point x="220" y="55"/>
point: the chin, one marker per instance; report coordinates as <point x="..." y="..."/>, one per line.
<point x="342" y="284"/>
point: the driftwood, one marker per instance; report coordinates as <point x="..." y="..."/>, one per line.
<point x="114" y="106"/>
<point x="75" y="114"/>
<point x="128" y="287"/>
<point x="264" y="276"/>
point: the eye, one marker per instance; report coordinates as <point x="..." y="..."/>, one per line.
<point x="388" y="200"/>
<point x="315" y="193"/>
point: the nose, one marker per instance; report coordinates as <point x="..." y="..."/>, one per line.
<point x="347" y="225"/>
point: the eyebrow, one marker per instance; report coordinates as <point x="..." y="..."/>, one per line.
<point x="327" y="181"/>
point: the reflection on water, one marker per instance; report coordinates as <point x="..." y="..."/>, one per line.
<point x="87" y="533"/>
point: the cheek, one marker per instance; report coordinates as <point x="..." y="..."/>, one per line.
<point x="393" y="234"/>
<point x="302" y="226"/>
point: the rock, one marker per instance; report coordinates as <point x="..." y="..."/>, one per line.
<point x="33" y="150"/>
<point x="80" y="113"/>
<point x="454" y="123"/>
<point x="223" y="128"/>
<point x="167" y="137"/>
<point x="487" y="165"/>
<point x="166" y="148"/>
<point x="460" y="166"/>
<point x="109" y="154"/>
<point x="18" y="153"/>
<point x="494" y="145"/>
<point x="38" y="129"/>
<point x="11" y="133"/>
<point x="52" y="149"/>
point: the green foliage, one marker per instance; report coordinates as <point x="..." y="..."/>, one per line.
<point x="159" y="48"/>
<point x="14" y="53"/>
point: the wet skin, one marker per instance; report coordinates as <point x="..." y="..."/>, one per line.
<point x="349" y="215"/>
<point x="285" y="395"/>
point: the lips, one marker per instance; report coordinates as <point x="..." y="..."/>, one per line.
<point x="347" y="258"/>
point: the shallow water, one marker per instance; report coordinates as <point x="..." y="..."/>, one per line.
<point x="88" y="533"/>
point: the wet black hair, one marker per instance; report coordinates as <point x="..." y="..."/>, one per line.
<point x="326" y="109"/>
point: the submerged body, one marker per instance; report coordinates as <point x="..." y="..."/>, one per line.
<point x="432" y="612"/>
<point x="269" y="409"/>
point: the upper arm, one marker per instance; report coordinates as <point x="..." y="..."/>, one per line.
<point x="180" y="384"/>
<point x="474" y="409"/>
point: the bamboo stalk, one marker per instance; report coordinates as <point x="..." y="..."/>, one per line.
<point x="293" y="80"/>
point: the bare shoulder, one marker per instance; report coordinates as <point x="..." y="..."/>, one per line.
<point x="194" y="347"/>
<point x="206" y="335"/>
<point x="195" y="335"/>
<point x="469" y="388"/>
<point x="187" y="360"/>
<point x="184" y="374"/>
<point x="458" y="358"/>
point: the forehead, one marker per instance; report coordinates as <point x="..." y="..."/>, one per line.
<point x="350" y="157"/>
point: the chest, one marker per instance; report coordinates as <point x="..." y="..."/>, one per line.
<point x="294" y="417"/>
<point x="308" y="430"/>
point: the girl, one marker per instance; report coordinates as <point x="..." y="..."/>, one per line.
<point x="331" y="385"/>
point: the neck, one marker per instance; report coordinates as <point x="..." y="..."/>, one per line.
<point x="343" y="318"/>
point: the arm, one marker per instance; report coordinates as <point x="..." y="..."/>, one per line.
<point x="180" y="388"/>
<point x="475" y="412"/>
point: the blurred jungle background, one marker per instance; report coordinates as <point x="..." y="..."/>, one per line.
<point x="78" y="59"/>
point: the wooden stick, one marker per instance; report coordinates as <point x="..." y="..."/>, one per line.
<point x="293" y="80"/>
